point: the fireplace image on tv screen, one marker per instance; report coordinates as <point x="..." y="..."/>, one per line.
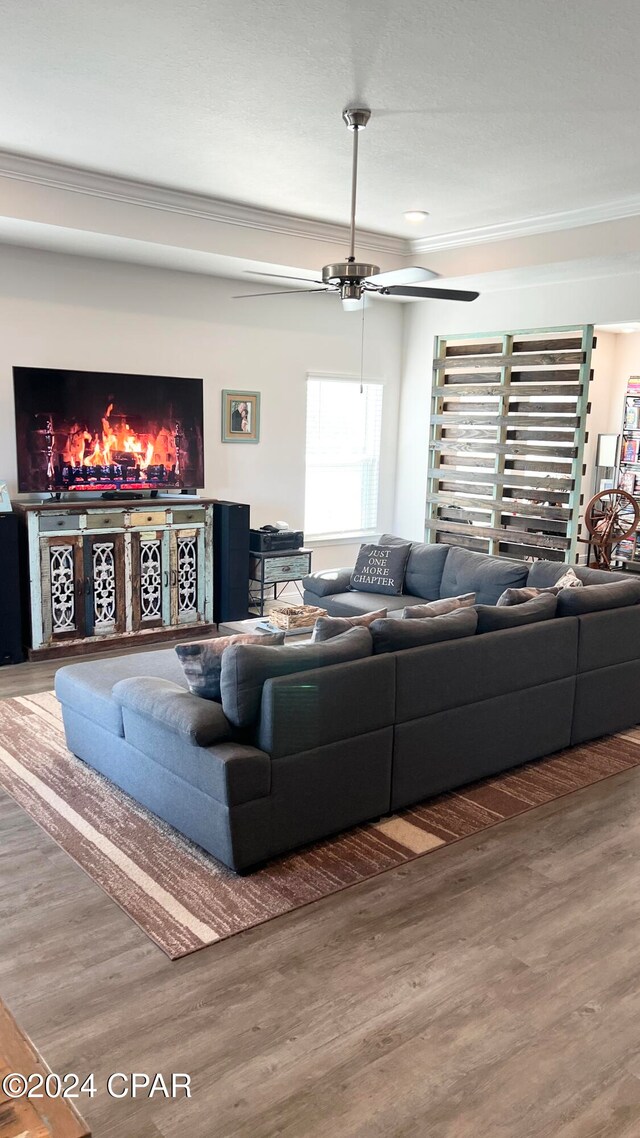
<point x="81" y="431"/>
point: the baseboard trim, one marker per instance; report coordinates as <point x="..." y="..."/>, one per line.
<point x="128" y="640"/>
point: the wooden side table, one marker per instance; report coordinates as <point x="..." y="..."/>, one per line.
<point x="268" y="570"/>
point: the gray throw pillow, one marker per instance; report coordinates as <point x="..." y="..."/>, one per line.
<point x="394" y="635"/>
<point x="246" y="668"/>
<point x="202" y="659"/>
<point x="519" y="596"/>
<point x="569" y="580"/>
<point x="423" y="573"/>
<point x="492" y="618"/>
<point x="326" y="627"/>
<point x="439" y="608"/>
<point x="597" y="598"/>
<point x="380" y="569"/>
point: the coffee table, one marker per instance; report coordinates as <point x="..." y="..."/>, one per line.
<point x="228" y="628"/>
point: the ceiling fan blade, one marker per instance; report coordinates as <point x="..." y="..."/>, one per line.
<point x="283" y="292"/>
<point x="430" y="293"/>
<point x="281" y="276"/>
<point x="413" y="274"/>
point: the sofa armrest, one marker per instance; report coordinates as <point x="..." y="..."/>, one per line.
<point x="198" y="721"/>
<point x="328" y="581"/>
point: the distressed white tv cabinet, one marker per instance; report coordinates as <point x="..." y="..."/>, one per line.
<point x="104" y="573"/>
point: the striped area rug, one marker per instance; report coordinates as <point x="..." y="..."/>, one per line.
<point x="182" y="898"/>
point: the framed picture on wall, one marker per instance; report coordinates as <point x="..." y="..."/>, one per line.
<point x="240" y="416"/>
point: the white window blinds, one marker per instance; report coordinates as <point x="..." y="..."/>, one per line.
<point x="342" y="457"/>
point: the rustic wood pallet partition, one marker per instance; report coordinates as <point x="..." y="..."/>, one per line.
<point x="506" y="441"/>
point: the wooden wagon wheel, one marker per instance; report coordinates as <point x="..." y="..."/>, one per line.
<point x="610" y="517"/>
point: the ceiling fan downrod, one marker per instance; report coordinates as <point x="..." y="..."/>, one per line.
<point x="349" y="274"/>
<point x="352" y="279"/>
<point x="356" y="119"/>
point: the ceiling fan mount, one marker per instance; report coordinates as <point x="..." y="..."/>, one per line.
<point x="356" y="118"/>
<point x="350" y="278"/>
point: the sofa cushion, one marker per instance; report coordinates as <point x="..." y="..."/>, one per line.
<point x="438" y="608"/>
<point x="597" y="598"/>
<point x="380" y="569"/>
<point x="423" y="572"/>
<point x="245" y="667"/>
<point x="607" y="637"/>
<point x="327" y="581"/>
<point x="304" y="712"/>
<point x="519" y="596"/>
<point x="443" y="676"/>
<point x="326" y="627"/>
<point x="466" y="571"/>
<point x="395" y="635"/>
<point x="590" y="576"/>
<point x="545" y="573"/>
<point x="493" y="617"/>
<point x="87" y="687"/>
<point x="230" y="771"/>
<point x="354" y="604"/>
<point x="202" y="659"/>
<point x="198" y="721"/>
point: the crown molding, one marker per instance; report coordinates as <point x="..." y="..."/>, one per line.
<point x="529" y="226"/>
<point x="74" y="179"/>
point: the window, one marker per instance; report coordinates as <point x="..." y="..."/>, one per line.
<point x="343" y="457"/>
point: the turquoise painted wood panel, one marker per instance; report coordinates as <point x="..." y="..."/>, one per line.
<point x="506" y="441"/>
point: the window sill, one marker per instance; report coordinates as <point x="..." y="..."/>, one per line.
<point x="342" y="538"/>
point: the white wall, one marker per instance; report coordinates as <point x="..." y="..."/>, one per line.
<point x="74" y="312"/>
<point x="65" y="311"/>
<point x="626" y="363"/>
<point x="591" y="301"/>
<point x="602" y="395"/>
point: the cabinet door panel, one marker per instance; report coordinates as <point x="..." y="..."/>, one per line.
<point x="150" y="579"/>
<point x="63" y="588"/>
<point x="105" y="594"/>
<point x="187" y="576"/>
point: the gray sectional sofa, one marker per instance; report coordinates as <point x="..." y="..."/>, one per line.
<point x="293" y="758"/>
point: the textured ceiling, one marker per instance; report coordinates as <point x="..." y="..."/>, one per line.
<point x="484" y="112"/>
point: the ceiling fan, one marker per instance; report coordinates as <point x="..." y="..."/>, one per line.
<point x="352" y="279"/>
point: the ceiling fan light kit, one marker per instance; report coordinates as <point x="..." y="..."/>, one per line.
<point x="352" y="279"/>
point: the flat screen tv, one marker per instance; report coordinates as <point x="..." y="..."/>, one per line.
<point x="80" y="431"/>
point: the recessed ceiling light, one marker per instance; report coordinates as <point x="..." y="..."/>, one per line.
<point x="416" y="216"/>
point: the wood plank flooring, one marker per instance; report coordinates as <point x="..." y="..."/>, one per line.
<point x="491" y="990"/>
<point x="26" y="1117"/>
